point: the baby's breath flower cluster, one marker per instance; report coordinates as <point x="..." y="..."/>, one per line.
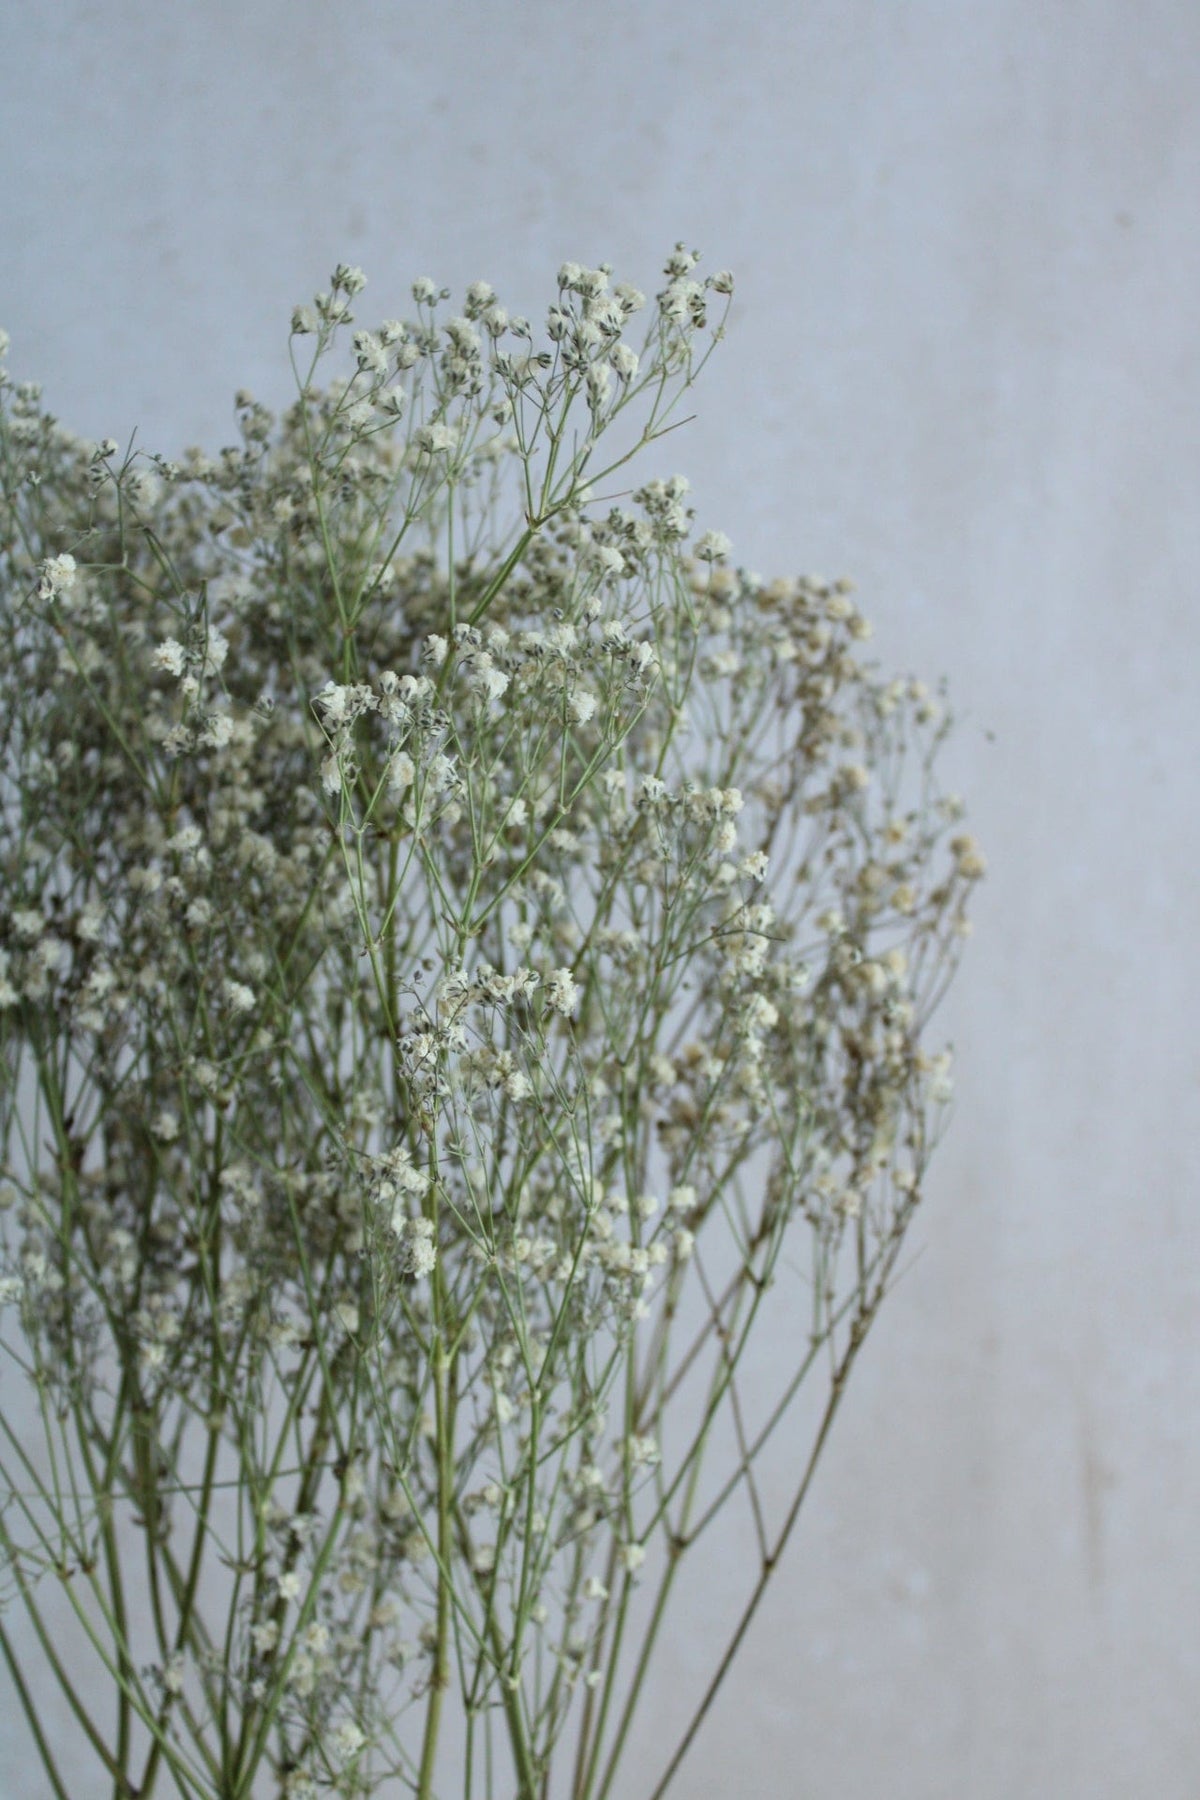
<point x="465" y="944"/>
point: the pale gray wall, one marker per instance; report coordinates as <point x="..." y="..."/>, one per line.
<point x="963" y="368"/>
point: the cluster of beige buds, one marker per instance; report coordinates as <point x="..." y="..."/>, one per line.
<point x="467" y="949"/>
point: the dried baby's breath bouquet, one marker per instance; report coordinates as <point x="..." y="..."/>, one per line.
<point x="465" y="958"/>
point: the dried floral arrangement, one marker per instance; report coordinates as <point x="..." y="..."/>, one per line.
<point x="466" y="950"/>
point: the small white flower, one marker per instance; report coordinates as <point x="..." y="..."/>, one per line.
<point x="434" y="439"/>
<point x="486" y="678"/>
<point x="343" y="704"/>
<point x="401" y="772"/>
<point x="372" y="357"/>
<point x="218" y="731"/>
<point x="216" y="649"/>
<point x="599" y="381"/>
<point x="681" y="259"/>
<point x="970" y="861"/>
<point x="713" y="546"/>
<point x="562" y="994"/>
<point x="609" y="561"/>
<point x="186" y="841"/>
<point x="58" y="575"/>
<point x="348" y="1739"/>
<point x="463" y="336"/>
<point x="422" y="1251"/>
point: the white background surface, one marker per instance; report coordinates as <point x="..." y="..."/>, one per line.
<point x="962" y="367"/>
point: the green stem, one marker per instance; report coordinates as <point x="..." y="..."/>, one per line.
<point x="31" y="1715"/>
<point x="769" y="1564"/>
<point x="439" y="1678"/>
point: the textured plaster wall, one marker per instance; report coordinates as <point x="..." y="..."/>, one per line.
<point x="962" y="368"/>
